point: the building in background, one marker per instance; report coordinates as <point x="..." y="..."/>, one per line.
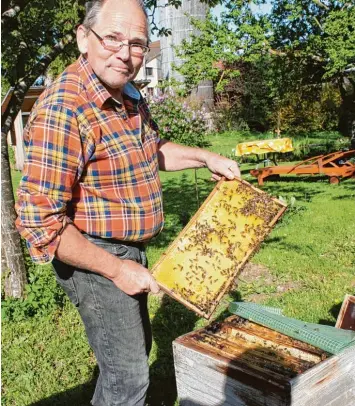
<point x="178" y="20"/>
<point x="150" y="74"/>
<point x="15" y="136"/>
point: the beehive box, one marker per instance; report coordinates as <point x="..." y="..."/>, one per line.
<point x="238" y="362"/>
<point x="204" y="260"/>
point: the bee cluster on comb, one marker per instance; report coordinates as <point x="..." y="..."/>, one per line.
<point x="205" y="258"/>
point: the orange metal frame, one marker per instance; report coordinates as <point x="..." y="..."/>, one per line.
<point x="319" y="165"/>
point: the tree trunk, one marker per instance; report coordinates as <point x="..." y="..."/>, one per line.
<point x="15" y="277"/>
<point x="347" y="108"/>
<point x="12" y="256"/>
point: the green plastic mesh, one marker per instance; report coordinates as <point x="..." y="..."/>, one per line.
<point x="330" y="339"/>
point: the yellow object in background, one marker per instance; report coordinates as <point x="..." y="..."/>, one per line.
<point x="264" y="146"/>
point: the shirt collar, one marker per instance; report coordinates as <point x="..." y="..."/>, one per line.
<point x="97" y="91"/>
<point x="131" y="91"/>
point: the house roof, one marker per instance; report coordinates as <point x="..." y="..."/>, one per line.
<point x="154" y="51"/>
<point x="28" y="102"/>
<point x="141" y="83"/>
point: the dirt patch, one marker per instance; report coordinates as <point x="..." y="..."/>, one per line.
<point x="254" y="272"/>
<point x="257" y="284"/>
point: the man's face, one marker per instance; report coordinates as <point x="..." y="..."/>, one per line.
<point x="123" y="20"/>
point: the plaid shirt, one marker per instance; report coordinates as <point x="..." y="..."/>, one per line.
<point x="90" y="161"/>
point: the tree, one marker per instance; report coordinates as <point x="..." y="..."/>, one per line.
<point x="32" y="37"/>
<point x="320" y="36"/>
<point x="300" y="43"/>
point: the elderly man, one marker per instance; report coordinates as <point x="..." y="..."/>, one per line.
<point x="91" y="197"/>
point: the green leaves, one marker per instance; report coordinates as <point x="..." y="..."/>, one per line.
<point x="35" y="31"/>
<point x="296" y="52"/>
<point x="339" y="41"/>
<point x="42" y="296"/>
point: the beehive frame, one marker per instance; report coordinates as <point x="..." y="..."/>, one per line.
<point x="208" y="254"/>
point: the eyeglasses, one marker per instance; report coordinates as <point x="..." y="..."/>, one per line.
<point x="110" y="43"/>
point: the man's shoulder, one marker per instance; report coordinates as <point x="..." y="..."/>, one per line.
<point x="66" y="91"/>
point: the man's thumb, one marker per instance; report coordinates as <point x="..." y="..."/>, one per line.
<point x="154" y="288"/>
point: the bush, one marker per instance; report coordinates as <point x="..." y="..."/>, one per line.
<point x="42" y="296"/>
<point x="179" y="122"/>
<point x="227" y="117"/>
<point x="320" y="143"/>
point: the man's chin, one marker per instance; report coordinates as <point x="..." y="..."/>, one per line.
<point x="117" y="83"/>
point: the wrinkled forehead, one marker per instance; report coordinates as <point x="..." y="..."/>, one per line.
<point x="125" y="17"/>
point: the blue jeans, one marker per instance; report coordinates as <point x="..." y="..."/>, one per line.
<point x="117" y="326"/>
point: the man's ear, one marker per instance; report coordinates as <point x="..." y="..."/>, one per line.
<point x="82" y="39"/>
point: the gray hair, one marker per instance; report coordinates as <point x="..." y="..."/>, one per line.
<point x="92" y="9"/>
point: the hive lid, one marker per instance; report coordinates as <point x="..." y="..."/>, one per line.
<point x="201" y="264"/>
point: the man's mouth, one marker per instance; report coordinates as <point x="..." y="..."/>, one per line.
<point x="121" y="70"/>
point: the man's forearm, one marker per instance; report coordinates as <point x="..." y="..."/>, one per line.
<point x="74" y="249"/>
<point x="132" y="278"/>
<point x="174" y="157"/>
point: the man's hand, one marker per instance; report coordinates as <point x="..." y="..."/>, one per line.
<point x="132" y="278"/>
<point x="221" y="166"/>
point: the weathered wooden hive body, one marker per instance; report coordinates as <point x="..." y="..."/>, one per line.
<point x="238" y="362"/>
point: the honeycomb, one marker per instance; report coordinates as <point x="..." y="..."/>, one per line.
<point x="207" y="255"/>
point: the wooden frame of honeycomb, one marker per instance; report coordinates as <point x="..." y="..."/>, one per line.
<point x="201" y="264"/>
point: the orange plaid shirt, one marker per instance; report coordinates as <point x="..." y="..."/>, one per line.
<point x="90" y="161"/>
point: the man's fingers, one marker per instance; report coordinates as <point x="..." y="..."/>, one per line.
<point x="153" y="286"/>
<point x="215" y="177"/>
<point x="233" y="171"/>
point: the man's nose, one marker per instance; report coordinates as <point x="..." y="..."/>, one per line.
<point x="124" y="52"/>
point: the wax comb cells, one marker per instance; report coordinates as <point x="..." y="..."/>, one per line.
<point x="203" y="261"/>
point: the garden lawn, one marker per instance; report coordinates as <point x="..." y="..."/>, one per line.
<point x="305" y="267"/>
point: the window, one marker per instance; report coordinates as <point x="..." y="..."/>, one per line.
<point x="149" y="71"/>
<point x="25" y="118"/>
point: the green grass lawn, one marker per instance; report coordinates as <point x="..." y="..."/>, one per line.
<point x="305" y="267"/>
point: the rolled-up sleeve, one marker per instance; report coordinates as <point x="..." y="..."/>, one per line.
<point x="55" y="156"/>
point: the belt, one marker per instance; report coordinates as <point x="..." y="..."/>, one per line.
<point x="102" y="241"/>
<point x="134" y="251"/>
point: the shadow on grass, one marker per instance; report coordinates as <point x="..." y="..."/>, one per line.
<point x="179" y="199"/>
<point x="349" y="185"/>
<point x="334" y="311"/>
<point x="171" y="321"/>
<point x="78" y="396"/>
<point x="300" y="189"/>
<point x="280" y="243"/>
<point x="344" y="197"/>
<point x="234" y="296"/>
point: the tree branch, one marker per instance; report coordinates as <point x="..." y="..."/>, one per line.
<point x="8" y="16"/>
<point x="23" y="84"/>
<point x="295" y="53"/>
<point x="320" y="4"/>
<point x="318" y="23"/>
